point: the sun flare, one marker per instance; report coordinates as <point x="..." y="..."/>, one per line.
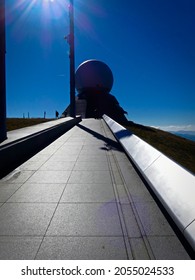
<point x="26" y="6"/>
<point x="38" y="19"/>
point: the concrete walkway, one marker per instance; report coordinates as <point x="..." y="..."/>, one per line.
<point x="80" y="198"/>
<point x="17" y="134"/>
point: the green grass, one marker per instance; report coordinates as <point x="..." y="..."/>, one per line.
<point x="16" y="123"/>
<point x="177" y="148"/>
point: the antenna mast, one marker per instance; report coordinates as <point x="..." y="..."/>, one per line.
<point x="72" y="60"/>
<point x="3" y="132"/>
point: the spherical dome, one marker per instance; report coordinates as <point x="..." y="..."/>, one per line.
<point x="93" y="75"/>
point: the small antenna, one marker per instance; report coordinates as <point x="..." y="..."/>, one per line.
<point x="72" y="60"/>
<point x="3" y="132"/>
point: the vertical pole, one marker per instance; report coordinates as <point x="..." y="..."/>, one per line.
<point x="3" y="132"/>
<point x="72" y="60"/>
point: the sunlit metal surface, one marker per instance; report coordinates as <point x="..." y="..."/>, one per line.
<point x="173" y="185"/>
<point x="189" y="234"/>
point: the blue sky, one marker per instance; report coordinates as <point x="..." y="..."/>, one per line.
<point x="148" y="44"/>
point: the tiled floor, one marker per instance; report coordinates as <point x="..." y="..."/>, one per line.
<point x="80" y="198"/>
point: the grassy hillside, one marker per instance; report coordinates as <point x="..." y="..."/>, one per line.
<point x="15" y="123"/>
<point x="177" y="148"/>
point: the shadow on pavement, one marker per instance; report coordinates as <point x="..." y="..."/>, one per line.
<point x="109" y="143"/>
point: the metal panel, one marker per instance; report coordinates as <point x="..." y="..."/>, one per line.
<point x="127" y="139"/>
<point x="189" y="233"/>
<point x="173" y="185"/>
<point x="143" y="154"/>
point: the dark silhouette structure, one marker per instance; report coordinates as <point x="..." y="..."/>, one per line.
<point x="70" y="40"/>
<point x="3" y="133"/>
<point x="103" y="103"/>
<point x="94" y="80"/>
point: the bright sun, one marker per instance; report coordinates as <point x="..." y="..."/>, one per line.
<point x="47" y="12"/>
<point x="25" y="6"/>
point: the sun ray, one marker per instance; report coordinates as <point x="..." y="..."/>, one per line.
<point x="28" y="8"/>
<point x="24" y="7"/>
<point x="45" y="11"/>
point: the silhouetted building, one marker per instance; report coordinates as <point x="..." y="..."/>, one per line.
<point x="94" y="81"/>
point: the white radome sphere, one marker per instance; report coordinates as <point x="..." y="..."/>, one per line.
<point x="93" y="75"/>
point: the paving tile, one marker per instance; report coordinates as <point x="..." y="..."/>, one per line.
<point x="94" y="146"/>
<point x="139" y="193"/>
<point x="130" y="175"/>
<point x="38" y="193"/>
<point x="19" y="248"/>
<point x="86" y="223"/>
<point x="6" y="190"/>
<point x="38" y="157"/>
<point x="17" y="176"/>
<point x="91" y="219"/>
<point x="130" y="221"/>
<point x="68" y="151"/>
<point x="48" y="151"/>
<point x="75" y="140"/>
<point x="97" y="138"/>
<point x="152" y="219"/>
<point x="55" y="177"/>
<point x="135" y="186"/>
<point x="116" y="175"/>
<point x="72" y="148"/>
<point x="25" y="218"/>
<point x="53" y="147"/>
<point x="86" y="165"/>
<point x="31" y="165"/>
<point x="78" y="134"/>
<point x="82" y="248"/>
<point x="56" y="144"/>
<point x="74" y="143"/>
<point x="122" y="194"/>
<point x="120" y="156"/>
<point x="92" y="158"/>
<point x="63" y="157"/>
<point x="167" y="248"/>
<point x="101" y="177"/>
<point x="92" y="152"/>
<point x="112" y="162"/>
<point x="50" y="165"/>
<point x="139" y="249"/>
<point x="88" y="193"/>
